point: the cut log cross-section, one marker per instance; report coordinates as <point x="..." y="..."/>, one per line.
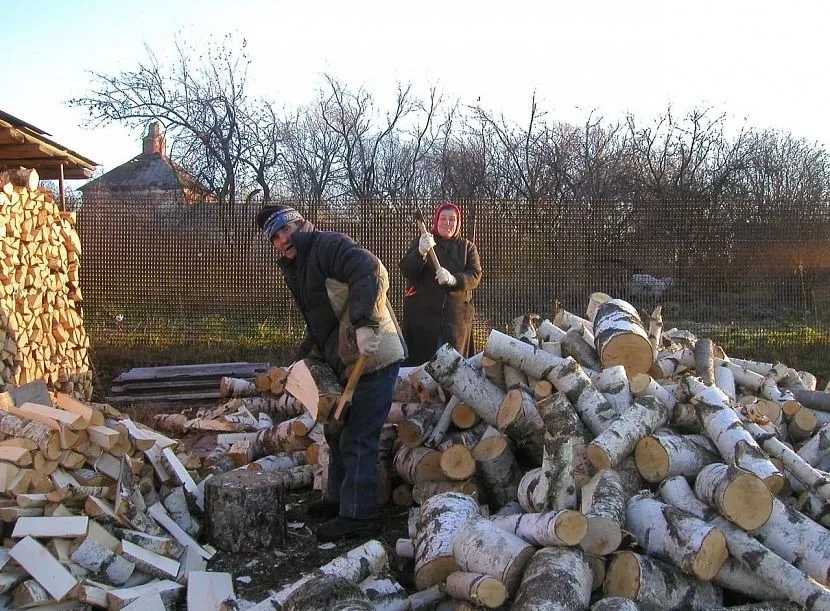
<point x="463" y="381"/>
<point x="663" y="454"/>
<point x="739" y="495"/>
<point x="723" y="426"/>
<point x="674" y="536"/>
<point x="244" y="510"/>
<point x="621" y="338"/>
<point x="439" y="521"/>
<point x="653" y="584"/>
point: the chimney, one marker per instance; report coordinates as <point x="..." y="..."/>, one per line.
<point x="154" y="140"/>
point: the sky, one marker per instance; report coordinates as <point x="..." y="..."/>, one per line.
<point x="765" y="64"/>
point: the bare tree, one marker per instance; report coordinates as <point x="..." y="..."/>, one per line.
<point x="200" y="98"/>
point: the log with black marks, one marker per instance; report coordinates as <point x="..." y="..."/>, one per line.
<point x="555" y="579"/>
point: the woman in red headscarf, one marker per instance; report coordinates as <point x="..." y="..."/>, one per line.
<point x="438" y="305"/>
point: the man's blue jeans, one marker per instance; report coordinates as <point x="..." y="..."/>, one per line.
<point x="353" y="453"/>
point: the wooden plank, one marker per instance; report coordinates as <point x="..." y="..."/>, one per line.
<point x="157" y="386"/>
<point x="181" y="475"/>
<point x="236" y="370"/>
<point x="41" y="565"/>
<point x="75" y="526"/>
<point x="208" y="590"/>
<point x="166" y="398"/>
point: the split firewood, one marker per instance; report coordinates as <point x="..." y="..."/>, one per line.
<point x="315" y="384"/>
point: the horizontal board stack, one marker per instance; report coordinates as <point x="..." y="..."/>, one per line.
<point x="99" y="511"/>
<point x="42" y="334"/>
<point x="607" y="458"/>
<point x="172" y="383"/>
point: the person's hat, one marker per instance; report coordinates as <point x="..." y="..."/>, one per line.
<point x="272" y="218"/>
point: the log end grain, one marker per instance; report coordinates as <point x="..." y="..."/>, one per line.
<point x="571" y="527"/>
<point x="623" y="576"/>
<point x="651" y="459"/>
<point x="747" y="501"/>
<point x="711" y="556"/>
<point x="632" y="351"/>
<point x="598" y="457"/>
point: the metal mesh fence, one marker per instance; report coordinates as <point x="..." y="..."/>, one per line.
<point x="744" y="271"/>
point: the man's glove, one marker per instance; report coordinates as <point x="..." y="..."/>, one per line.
<point x="368" y="340"/>
<point x="425" y="243"/>
<point x="444" y="277"/>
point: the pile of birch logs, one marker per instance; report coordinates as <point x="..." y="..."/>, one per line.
<point x="98" y="511"/>
<point x="620" y="460"/>
<point x="42" y="334"/>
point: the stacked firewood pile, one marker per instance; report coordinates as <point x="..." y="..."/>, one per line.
<point x="604" y="460"/>
<point x="99" y="510"/>
<point x="42" y="335"/>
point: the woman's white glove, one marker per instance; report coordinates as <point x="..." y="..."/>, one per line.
<point x="444" y="277"/>
<point x="368" y="340"/>
<point x="425" y="243"/>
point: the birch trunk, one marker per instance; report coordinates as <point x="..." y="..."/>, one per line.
<point x="677" y="537"/>
<point x="765" y="564"/>
<point x="653" y="584"/>
<point x="439" y="521"/>
<point x="482" y="547"/>
<point x="554" y="528"/>
<point x="614" y="444"/>
<point x="740" y="496"/>
<point x="663" y="454"/>
<point x="603" y="503"/>
<point x="555" y="579"/>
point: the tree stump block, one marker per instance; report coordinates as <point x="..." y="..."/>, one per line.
<point x="245" y="510"/>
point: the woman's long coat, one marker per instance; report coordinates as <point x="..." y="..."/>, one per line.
<point x="435" y="314"/>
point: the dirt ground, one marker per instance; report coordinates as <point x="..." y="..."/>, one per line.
<point x="256" y="574"/>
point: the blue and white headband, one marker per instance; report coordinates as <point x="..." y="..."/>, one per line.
<point x="280" y="219"/>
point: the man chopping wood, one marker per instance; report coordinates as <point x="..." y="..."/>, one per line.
<point x="340" y="288"/>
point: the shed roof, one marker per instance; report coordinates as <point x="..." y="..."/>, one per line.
<point x="23" y="144"/>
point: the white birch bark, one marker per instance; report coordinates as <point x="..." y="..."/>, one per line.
<point x="613" y="383"/>
<point x="556" y="579"/>
<point x="482" y="547"/>
<point x="553" y="528"/>
<point x="677" y="537"/>
<point x="740" y="496"/>
<point x="439" y="521"/>
<point x="610" y="447"/>
<point x="776" y="572"/>
<point x="603" y="503"/>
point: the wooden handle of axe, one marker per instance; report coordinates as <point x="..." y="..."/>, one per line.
<point x="354" y="376"/>
<point x="431" y="252"/>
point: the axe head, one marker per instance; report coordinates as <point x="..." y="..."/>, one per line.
<point x="418" y="216"/>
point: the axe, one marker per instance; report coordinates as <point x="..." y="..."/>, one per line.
<point x="336" y="422"/>
<point x="419" y="220"/>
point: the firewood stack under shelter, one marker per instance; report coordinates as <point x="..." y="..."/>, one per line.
<point x="605" y="459"/>
<point x="42" y="334"/>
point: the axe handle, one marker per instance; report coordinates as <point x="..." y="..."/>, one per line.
<point x="431" y="252"/>
<point x="354" y="376"/>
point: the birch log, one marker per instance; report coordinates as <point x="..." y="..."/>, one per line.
<point x="482" y="547"/>
<point x="416" y="428"/>
<point x="563" y="424"/>
<point x="554" y="528"/>
<point x="621" y="338"/>
<point x="439" y="521"/>
<point x="462" y="380"/>
<point x="476" y="588"/>
<point x="519" y="419"/>
<point x="739" y="495"/>
<point x="663" y="454"/>
<point x="723" y="426"/>
<point x="674" y="536"/>
<point x="555" y="579"/>
<point x="499" y="471"/>
<point x="603" y="503"/>
<point x="653" y="584"/>
<point x="817" y="447"/>
<point x="768" y="566"/>
<point x="616" y="442"/>
<point x="613" y="383"/>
